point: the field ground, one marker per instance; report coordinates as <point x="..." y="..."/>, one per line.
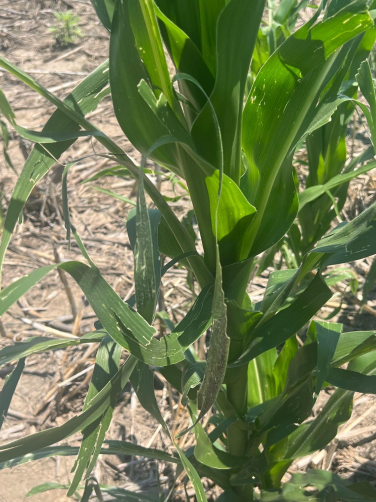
<point x="50" y="392"/>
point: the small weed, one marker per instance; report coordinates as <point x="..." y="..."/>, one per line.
<point x="65" y="30"/>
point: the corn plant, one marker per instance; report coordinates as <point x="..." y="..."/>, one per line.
<point x="235" y="154"/>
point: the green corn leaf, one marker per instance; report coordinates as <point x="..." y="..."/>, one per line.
<point x="328" y="487"/>
<point x="192" y="376"/>
<point x="367" y="154"/>
<point x="352" y="241"/>
<point x="176" y="260"/>
<point x="169" y="227"/>
<point x="142" y="380"/>
<point x="233" y="220"/>
<point x="208" y="454"/>
<point x="240" y="320"/>
<point x="106" y="367"/>
<point x="325" y="112"/>
<point x="105" y="11"/>
<point x="97" y="291"/>
<point x="163" y="111"/>
<point x="327" y="338"/>
<point x="287" y="322"/>
<point x="115" y="491"/>
<point x="9" y="388"/>
<point x="283" y="362"/>
<point x="187" y="59"/>
<point x="147" y="261"/>
<point x="276" y="282"/>
<point x="193" y="476"/>
<point x="149" y="44"/>
<point x="64" y="196"/>
<point x="295" y="403"/>
<point x="143" y="383"/>
<point x="5" y="138"/>
<point x="348" y="242"/>
<point x="367" y="86"/>
<point x="276" y="222"/>
<point x="195" y="167"/>
<point x="121" y="322"/>
<point x="312" y="436"/>
<point x="142" y="127"/>
<point x="352" y="345"/>
<point x="88" y="491"/>
<point x="119" y="171"/>
<point x="237" y="30"/>
<point x="219" y="342"/>
<point x="261" y="379"/>
<point x="352" y="380"/>
<point x="316" y="191"/>
<point x="45" y="487"/>
<point x="47" y="137"/>
<point x="38" y="344"/>
<point x="114" y="448"/>
<point x="209" y="13"/>
<point x="283" y="97"/>
<point x="95" y="409"/>
<point x="319" y="432"/>
<point x="185" y="16"/>
<point x="68" y="106"/>
<point x="115" y="195"/>
<point x="370" y="281"/>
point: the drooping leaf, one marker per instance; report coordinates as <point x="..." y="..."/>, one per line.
<point x="95" y="409"/>
<point x="193" y="476"/>
<point x="38" y="344"/>
<point x="219" y="342"/>
<point x="115" y="491"/>
<point x="9" y="388"/>
<point x="114" y="448"/>
<point x="85" y="99"/>
<point x="5" y="139"/>
<point x="106" y="367"/>
<point x="121" y="322"/>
